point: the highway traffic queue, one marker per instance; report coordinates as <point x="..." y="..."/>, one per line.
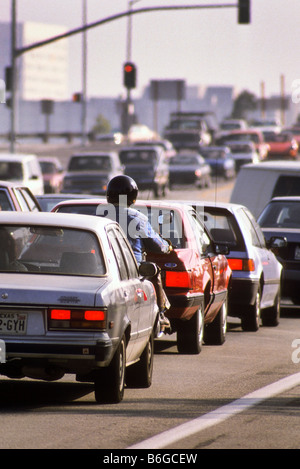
<point x="89" y="286"/>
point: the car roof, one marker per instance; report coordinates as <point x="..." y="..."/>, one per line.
<point x="273" y="166"/>
<point x="16" y="156"/>
<point x="287" y="198"/>
<point x="98" y="200"/>
<point x="55" y="219"/>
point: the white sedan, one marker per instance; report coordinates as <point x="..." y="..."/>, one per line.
<point x="72" y="300"/>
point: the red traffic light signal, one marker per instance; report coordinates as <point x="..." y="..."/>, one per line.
<point x="129" y="75"/>
<point x="244" y="12"/>
<point x="77" y="97"/>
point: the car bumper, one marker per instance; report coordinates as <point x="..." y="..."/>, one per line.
<point x="242" y="293"/>
<point x="183" y="306"/>
<point x="96" y="349"/>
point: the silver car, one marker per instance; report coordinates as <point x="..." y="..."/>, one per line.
<point x="72" y="300"/>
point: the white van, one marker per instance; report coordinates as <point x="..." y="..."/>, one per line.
<point x="23" y="169"/>
<point x="257" y="184"/>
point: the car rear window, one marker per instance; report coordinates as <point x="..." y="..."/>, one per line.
<point x="10" y="170"/>
<point x="287" y="185"/>
<point x="281" y="215"/>
<point x="87" y="163"/>
<point x="138" y="156"/>
<point x="50" y="250"/>
<point x="224" y="228"/>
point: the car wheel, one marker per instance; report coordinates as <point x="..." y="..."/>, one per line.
<point x="190" y="334"/>
<point x="215" y="332"/>
<point x="139" y="375"/>
<point x="251" y="319"/>
<point x="270" y="316"/>
<point x="110" y="381"/>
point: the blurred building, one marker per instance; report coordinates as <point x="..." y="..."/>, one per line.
<point x="42" y="73"/>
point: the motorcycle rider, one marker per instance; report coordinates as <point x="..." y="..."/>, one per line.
<point x="122" y="192"/>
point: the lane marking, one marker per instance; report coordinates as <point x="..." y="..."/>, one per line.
<point x="218" y="415"/>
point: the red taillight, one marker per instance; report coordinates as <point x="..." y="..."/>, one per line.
<point x="60" y="314"/>
<point x="94" y="315"/>
<point x="76" y="319"/>
<point x="177" y="279"/>
<point x="246" y="265"/>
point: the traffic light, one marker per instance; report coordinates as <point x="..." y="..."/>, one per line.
<point x="129" y="70"/>
<point x="244" y="12"/>
<point x="77" y="97"/>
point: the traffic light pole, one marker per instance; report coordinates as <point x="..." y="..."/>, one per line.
<point x="13" y="78"/>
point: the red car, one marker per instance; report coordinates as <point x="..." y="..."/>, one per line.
<point x="196" y="276"/>
<point x="281" y="145"/>
<point x="16" y="198"/>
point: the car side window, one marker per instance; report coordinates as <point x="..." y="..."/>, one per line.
<point x="22" y="201"/>
<point x="129" y="257"/>
<point x="202" y="238"/>
<point x="257" y="228"/>
<point x="5" y="203"/>
<point x="249" y="229"/>
<point x="112" y="236"/>
<point x="30" y="202"/>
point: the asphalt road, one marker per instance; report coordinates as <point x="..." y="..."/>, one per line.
<point x="208" y="401"/>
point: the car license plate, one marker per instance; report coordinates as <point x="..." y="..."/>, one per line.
<point x="297" y="252"/>
<point x="13" y="323"/>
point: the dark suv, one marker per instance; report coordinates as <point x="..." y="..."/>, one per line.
<point x="148" y="166"/>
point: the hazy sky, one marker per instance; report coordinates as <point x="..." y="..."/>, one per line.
<point x="204" y="47"/>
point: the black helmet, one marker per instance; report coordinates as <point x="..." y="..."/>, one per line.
<point x="121" y="185"/>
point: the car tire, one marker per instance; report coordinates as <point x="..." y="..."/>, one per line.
<point x="270" y="316"/>
<point x="110" y="381"/>
<point x="215" y="332"/>
<point x="190" y="334"/>
<point x="139" y="375"/>
<point x="251" y="319"/>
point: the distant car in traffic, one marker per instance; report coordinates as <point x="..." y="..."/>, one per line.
<point x="256" y="273"/>
<point x="148" y="166"/>
<point x="53" y="174"/>
<point x="188" y="167"/>
<point x="281" y="145"/>
<point x="243" y="153"/>
<point x="23" y="169"/>
<point x="196" y="275"/>
<point x="281" y="217"/>
<point x="220" y="160"/>
<point x="75" y="302"/>
<point x="250" y="135"/>
<point x="17" y="198"/>
<point x="90" y="172"/>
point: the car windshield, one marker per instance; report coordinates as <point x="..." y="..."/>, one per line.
<point x="138" y="156"/>
<point x="88" y="163"/>
<point x="10" y="170"/>
<point x="281" y="215"/>
<point x="50" y="250"/>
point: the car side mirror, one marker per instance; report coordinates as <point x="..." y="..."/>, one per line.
<point x="276" y="242"/>
<point x="148" y="269"/>
<point x="222" y="249"/>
